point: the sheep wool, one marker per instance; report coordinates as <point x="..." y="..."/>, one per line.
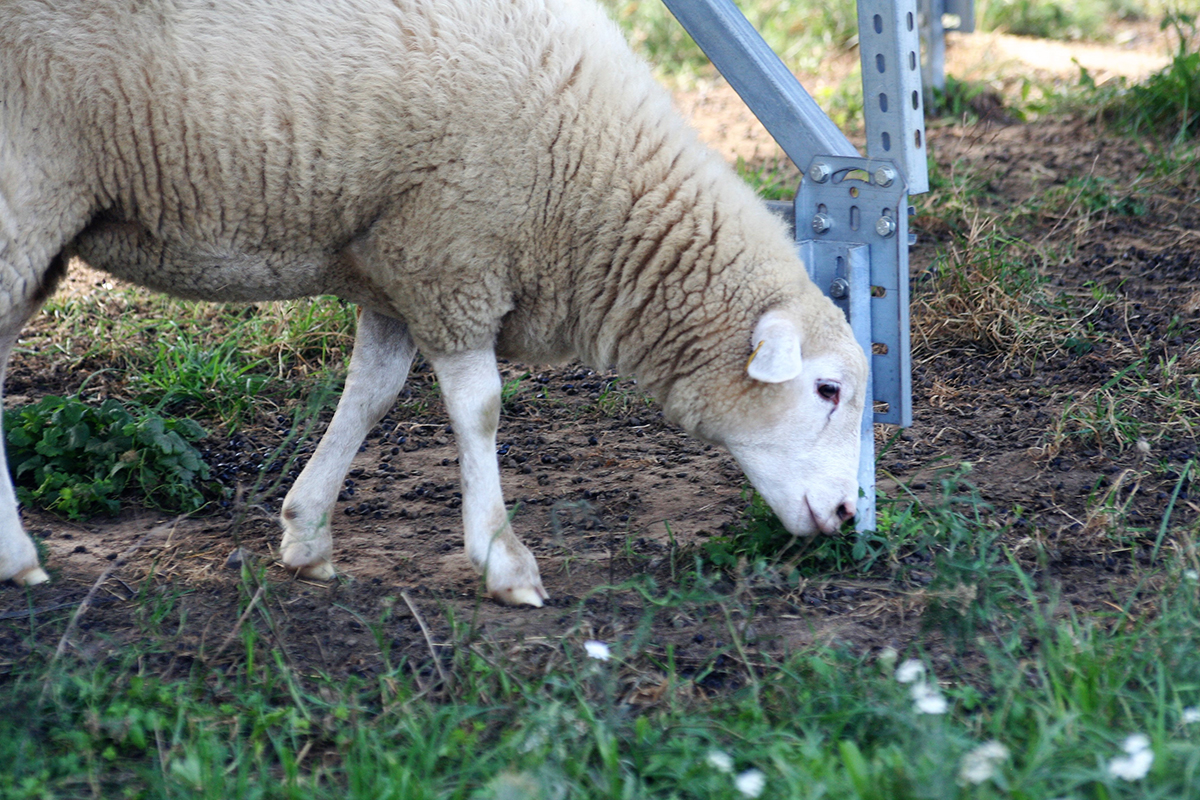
<point x="483" y="177"/>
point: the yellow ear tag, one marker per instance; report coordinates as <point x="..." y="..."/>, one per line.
<point x="750" y="360"/>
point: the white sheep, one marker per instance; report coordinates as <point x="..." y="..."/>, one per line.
<point x="482" y="177"/>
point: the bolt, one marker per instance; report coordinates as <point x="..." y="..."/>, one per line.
<point x="839" y="288"/>
<point x="885" y="226"/>
<point x="884" y="176"/>
<point x="821" y="223"/>
<point x="820" y="171"/>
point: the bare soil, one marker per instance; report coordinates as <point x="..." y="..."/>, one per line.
<point x="606" y="492"/>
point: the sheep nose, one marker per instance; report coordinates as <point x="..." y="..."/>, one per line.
<point x="845" y="512"/>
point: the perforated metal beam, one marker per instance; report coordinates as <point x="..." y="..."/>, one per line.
<point x="889" y="46"/>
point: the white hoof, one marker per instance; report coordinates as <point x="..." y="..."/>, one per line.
<point x="520" y="596"/>
<point x="31" y="577"/>
<point x="320" y="571"/>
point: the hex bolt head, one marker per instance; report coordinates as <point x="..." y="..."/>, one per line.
<point x="821" y="223"/>
<point x="884" y="176"/>
<point x="839" y="288"/>
<point x="885" y="226"/>
<point x="820" y="171"/>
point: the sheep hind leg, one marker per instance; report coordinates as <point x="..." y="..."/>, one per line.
<point x="18" y="556"/>
<point x="383" y="354"/>
<point x="471" y="386"/>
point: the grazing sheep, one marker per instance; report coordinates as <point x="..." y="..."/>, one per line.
<point x="482" y="177"/>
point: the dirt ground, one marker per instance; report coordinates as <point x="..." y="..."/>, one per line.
<point x="606" y="491"/>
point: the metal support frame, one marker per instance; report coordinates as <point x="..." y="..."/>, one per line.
<point x="936" y="17"/>
<point x="851" y="213"/>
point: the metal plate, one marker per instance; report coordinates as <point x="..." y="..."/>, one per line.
<point x="858" y="201"/>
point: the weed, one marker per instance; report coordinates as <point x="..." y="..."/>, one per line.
<point x="512" y="390"/>
<point x="77" y="459"/>
<point x="1086" y="202"/>
<point x="1168" y="102"/>
<point x="621" y="398"/>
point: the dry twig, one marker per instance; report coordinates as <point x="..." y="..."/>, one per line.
<point x="437" y="662"/>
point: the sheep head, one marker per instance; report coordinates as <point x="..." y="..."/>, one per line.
<point x="797" y="438"/>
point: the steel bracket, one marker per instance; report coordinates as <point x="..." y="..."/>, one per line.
<point x="864" y="201"/>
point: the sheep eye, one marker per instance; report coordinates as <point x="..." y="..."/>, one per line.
<point x="829" y="391"/>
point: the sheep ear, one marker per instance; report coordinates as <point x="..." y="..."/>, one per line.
<point x="776" y="350"/>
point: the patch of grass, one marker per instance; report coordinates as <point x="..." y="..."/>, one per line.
<point x="76" y="459"/>
<point x="1049" y="695"/>
<point x="966" y="101"/>
<point x="947" y="549"/>
<point x="190" y="372"/>
<point x="513" y="390"/>
<point x="760" y="536"/>
<point x="801" y="33"/>
<point x="203" y="359"/>
<point x="1053" y="19"/>
<point x="1168" y="102"/>
<point x="1146" y="401"/>
<point x="986" y="289"/>
<point x="621" y="399"/>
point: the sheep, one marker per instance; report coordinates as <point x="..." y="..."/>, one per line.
<point x="482" y="178"/>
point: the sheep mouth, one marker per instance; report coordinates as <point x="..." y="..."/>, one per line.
<point x="827" y="525"/>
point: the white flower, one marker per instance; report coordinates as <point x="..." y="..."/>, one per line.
<point x="1135" y="743"/>
<point x="719" y="760"/>
<point x="1191" y="715"/>
<point x="597" y="650"/>
<point x="750" y="783"/>
<point x="927" y="699"/>
<point x="910" y="671"/>
<point x="980" y="764"/>
<point x="1192" y="575"/>
<point x="1135" y="765"/>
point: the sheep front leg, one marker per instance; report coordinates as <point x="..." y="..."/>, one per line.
<point x="18" y="556"/>
<point x="470" y="386"/>
<point x="383" y="354"/>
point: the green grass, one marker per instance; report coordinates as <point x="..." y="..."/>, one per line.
<point x="216" y="362"/>
<point x="1150" y="401"/>
<point x="1167" y="104"/>
<point x="1059" y="690"/>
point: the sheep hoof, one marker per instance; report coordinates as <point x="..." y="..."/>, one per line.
<point x="320" y="571"/>
<point x="30" y="577"/>
<point x="520" y="596"/>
